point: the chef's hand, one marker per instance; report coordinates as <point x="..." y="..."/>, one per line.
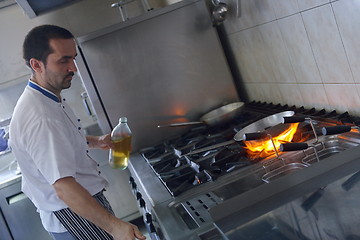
<point x="126" y="231"/>
<point x="102" y="142"/>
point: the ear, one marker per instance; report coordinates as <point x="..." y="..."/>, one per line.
<point x="36" y="65"/>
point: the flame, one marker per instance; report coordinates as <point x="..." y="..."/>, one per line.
<point x="264" y="147"/>
<point x="354" y="130"/>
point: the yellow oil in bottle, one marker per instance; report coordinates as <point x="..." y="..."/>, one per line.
<point x="120" y="153"/>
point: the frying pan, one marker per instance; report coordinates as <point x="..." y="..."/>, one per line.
<point x="214" y="117"/>
<point x="258" y="126"/>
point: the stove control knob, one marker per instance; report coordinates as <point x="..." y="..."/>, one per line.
<point x="131" y="180"/>
<point x="133" y="185"/>
<point x="138" y="196"/>
<point x="142" y="203"/>
<point x="148" y="218"/>
<point x="152" y="228"/>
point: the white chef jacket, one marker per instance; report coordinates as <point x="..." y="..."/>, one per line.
<point x="48" y="144"/>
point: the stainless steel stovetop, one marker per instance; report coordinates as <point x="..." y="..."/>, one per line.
<point x="206" y="207"/>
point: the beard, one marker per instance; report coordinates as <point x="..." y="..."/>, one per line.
<point x="66" y="83"/>
<point x="57" y="80"/>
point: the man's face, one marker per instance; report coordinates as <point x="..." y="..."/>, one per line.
<point x="60" y="66"/>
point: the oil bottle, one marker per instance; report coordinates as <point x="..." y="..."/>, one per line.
<point x="121" y="138"/>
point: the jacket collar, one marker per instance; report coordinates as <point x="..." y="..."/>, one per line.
<point x="44" y="91"/>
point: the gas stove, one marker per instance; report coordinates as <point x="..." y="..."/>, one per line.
<point x="180" y="172"/>
<point x="189" y="195"/>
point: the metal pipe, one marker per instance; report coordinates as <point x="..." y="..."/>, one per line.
<point x="121" y="5"/>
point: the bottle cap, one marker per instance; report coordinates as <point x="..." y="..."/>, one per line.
<point x="123" y="119"/>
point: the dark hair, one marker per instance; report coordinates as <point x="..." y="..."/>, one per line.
<point x="36" y="44"/>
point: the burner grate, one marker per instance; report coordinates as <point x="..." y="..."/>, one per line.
<point x="180" y="173"/>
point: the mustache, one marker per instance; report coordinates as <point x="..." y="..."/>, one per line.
<point x="71" y="74"/>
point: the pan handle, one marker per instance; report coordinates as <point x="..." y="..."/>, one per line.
<point x="254" y="136"/>
<point x="335" y="130"/>
<point x="200" y="150"/>
<point x="285" y="147"/>
<point x="293" y="119"/>
<point x="180" y="124"/>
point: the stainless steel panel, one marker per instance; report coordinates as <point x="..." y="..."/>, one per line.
<point x="34" y="8"/>
<point x="165" y="66"/>
<point x="4" y="231"/>
<point x="151" y="186"/>
<point x="241" y="196"/>
<point x="20" y="214"/>
<point x="245" y="207"/>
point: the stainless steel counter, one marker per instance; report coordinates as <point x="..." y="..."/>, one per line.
<point x="7" y="178"/>
<point x="9" y="172"/>
<point x="150" y="184"/>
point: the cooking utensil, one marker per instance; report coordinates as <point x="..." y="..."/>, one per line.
<point x="260" y="125"/>
<point x="217" y="116"/>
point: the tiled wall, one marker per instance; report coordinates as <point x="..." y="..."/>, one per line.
<point x="298" y="52"/>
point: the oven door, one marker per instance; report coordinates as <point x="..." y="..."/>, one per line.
<point x="20" y="214"/>
<point x="329" y="212"/>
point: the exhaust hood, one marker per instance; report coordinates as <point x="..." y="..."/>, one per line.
<point x="6" y="3"/>
<point x="33" y="8"/>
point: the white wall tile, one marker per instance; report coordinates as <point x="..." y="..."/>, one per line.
<point x="244" y="59"/>
<point x="291" y="94"/>
<point x="269" y="92"/>
<point x="250" y="50"/>
<point x="319" y="47"/>
<point x="327" y="45"/>
<point x="283" y="8"/>
<point x="299" y="49"/>
<point x="266" y="92"/>
<point x="307" y="4"/>
<point x="254" y="92"/>
<point x="251" y="13"/>
<point x="347" y="14"/>
<point x="277" y="55"/>
<point x="314" y="95"/>
<point x="343" y="97"/>
<point x="274" y="94"/>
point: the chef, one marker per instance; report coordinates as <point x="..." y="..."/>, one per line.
<point x="58" y="175"/>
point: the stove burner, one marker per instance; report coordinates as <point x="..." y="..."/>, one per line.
<point x="202" y="177"/>
<point x="180" y="173"/>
